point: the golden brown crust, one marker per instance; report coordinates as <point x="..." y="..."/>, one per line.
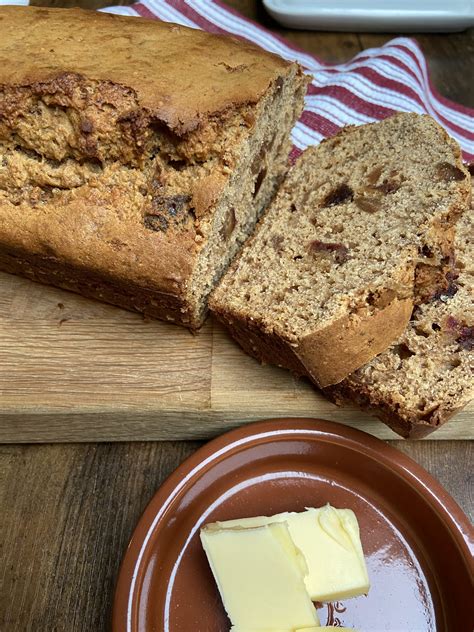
<point x="97" y="246"/>
<point x="92" y="230"/>
<point x="324" y="352"/>
<point x="165" y="58"/>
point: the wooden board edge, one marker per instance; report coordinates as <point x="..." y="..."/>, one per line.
<point x="167" y="425"/>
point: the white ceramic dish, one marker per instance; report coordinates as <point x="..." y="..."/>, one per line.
<point x="369" y="15"/>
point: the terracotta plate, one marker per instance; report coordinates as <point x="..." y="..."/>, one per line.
<point x="417" y="541"/>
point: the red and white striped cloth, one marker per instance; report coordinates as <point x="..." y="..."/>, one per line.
<point x="374" y="84"/>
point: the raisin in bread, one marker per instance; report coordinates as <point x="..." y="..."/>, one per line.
<point x="328" y="280"/>
<point x="427" y="375"/>
<point x="135" y="155"/>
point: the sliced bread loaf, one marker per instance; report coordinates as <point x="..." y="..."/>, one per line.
<point x="328" y="280"/>
<point x="427" y="375"/>
<point x="134" y="176"/>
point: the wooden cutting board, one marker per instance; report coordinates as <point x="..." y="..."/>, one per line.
<point x="72" y="370"/>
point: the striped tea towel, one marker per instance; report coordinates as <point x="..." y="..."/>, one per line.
<point x="374" y="84"/>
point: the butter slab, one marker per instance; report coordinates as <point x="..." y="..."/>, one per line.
<point x="329" y="539"/>
<point x="260" y="576"/>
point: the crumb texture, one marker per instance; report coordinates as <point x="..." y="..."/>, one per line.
<point x="354" y="222"/>
<point x="427" y="375"/>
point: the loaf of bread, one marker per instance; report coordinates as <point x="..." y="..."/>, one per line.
<point x="328" y="281"/>
<point x="427" y="375"/>
<point x="135" y="155"/>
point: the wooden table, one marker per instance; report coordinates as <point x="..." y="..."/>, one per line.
<point x="68" y="511"/>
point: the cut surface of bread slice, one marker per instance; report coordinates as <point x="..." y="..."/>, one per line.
<point x="135" y="177"/>
<point x="427" y="375"/>
<point x="328" y="280"/>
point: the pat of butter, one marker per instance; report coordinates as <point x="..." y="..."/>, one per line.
<point x="260" y="576"/>
<point x="330" y="542"/>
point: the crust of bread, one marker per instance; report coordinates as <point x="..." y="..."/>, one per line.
<point x="409" y="426"/>
<point x="324" y="353"/>
<point x="67" y="250"/>
<point x="165" y="56"/>
<point x="323" y="356"/>
<point x="122" y="292"/>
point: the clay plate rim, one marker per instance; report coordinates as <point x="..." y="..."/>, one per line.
<point x="456" y="522"/>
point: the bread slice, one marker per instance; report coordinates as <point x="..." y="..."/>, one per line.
<point x="328" y="280"/>
<point x="135" y="155"/>
<point x="427" y="375"/>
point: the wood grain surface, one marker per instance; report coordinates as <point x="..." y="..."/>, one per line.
<point x="73" y="369"/>
<point x="68" y="511"/>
